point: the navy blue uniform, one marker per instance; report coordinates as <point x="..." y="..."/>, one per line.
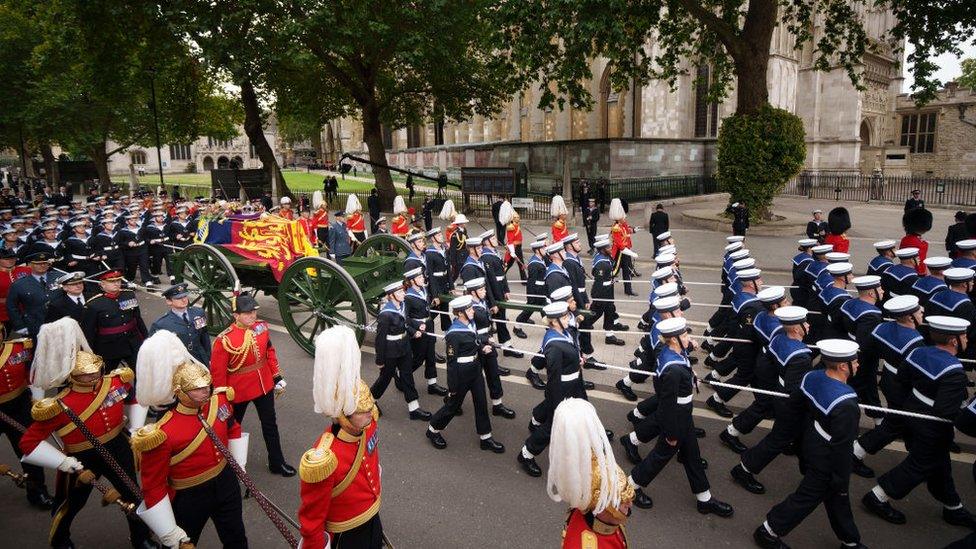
<point x="192" y="331"/>
<point x="27" y="302"/>
<point x="562" y="356"/>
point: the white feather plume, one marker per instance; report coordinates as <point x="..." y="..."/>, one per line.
<point x="158" y="358"/>
<point x="57" y="346"/>
<point x="577" y="437"/>
<point x="617" y="210"/>
<point x="506" y="213"/>
<point x="399" y="206"/>
<point x="353" y="205"/>
<point x="447" y="211"/>
<point x="558" y="206"/>
<point x="335" y="375"/>
<point x="317" y="199"/>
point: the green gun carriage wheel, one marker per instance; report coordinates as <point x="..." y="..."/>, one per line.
<point x="213" y="282"/>
<point x="387" y="246"/>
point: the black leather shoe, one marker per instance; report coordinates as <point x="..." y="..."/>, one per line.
<point x="513" y="354"/>
<point x="609" y="434"/>
<point x="591" y="364"/>
<point x="284" y="470"/>
<point x="502" y="410"/>
<point x="882" y="510"/>
<point x="631" y="450"/>
<point x="718" y="407"/>
<point x="643" y="326"/>
<point x="436" y="389"/>
<point x="38" y="497"/>
<point x="861" y="469"/>
<point x="857" y="545"/>
<point x="628" y="393"/>
<point x="747" y="480"/>
<point x="959" y="517"/>
<point x="493" y="445"/>
<point x="614" y="340"/>
<point x="439" y="358"/>
<point x="633" y="419"/>
<point x="764" y="539"/>
<point x="715" y="507"/>
<point x="642" y="500"/>
<point x="420" y="414"/>
<point x="588" y="385"/>
<point x="535" y="380"/>
<point x="529" y="465"/>
<point x="519" y="333"/>
<point x="621" y="327"/>
<point x="503" y="371"/>
<point x="436" y="440"/>
<point x="693" y="360"/>
<point x="732" y="442"/>
<point x="699" y="432"/>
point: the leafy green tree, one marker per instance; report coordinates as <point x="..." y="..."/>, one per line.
<point x="968" y="78"/>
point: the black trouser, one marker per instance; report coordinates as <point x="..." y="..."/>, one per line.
<point x="815" y="488"/>
<point x="743" y="359"/>
<point x="526" y="315"/>
<point x="927" y="461"/>
<point x="422" y="349"/>
<point x="219" y="500"/>
<point x="445" y="320"/>
<point x="598" y="309"/>
<point x="762" y="407"/>
<point x="501" y="328"/>
<point x="492" y="379"/>
<point x="865" y="383"/>
<point x="461" y="379"/>
<point x="521" y="263"/>
<point x="138" y="260"/>
<point x="626" y="269"/>
<point x="590" y="234"/>
<point x="19" y="409"/>
<point x="265" y="405"/>
<point x="539" y="439"/>
<point x="368" y="535"/>
<point x="398" y="367"/>
<point x="71" y="495"/>
<point x="157" y="255"/>
<point x="322" y="234"/>
<point x="652" y="464"/>
<point x="646" y="364"/>
<point x="786" y="430"/>
<point x="892" y="426"/>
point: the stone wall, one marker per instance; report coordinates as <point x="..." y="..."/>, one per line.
<point x="955" y="139"/>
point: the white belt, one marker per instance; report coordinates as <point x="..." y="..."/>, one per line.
<point x="821" y="431"/>
<point x="925" y="400"/>
<point x="540" y="283"/>
<point x="500" y="278"/>
<point x="608" y="283"/>
<point x="484" y="330"/>
<point x="465" y="359"/>
<point x="110" y="248"/>
<point x="73" y="256"/>
<point x="394" y="337"/>
<point x="569" y="377"/>
<point x="685" y="399"/>
<point x="889" y="367"/>
<point x="781" y="381"/>
<point x="582" y="290"/>
<point x="439" y="273"/>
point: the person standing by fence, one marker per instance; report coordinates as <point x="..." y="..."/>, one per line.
<point x="915" y="202"/>
<point x="740" y="218"/>
<point x="658" y="224"/>
<point x="955" y="233"/>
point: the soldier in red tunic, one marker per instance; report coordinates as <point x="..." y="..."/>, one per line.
<point x="620" y="250"/>
<point x="917" y="222"/>
<point x="340" y="475"/>
<point x="513" y="238"/>
<point x="96" y="399"/>
<point x="355" y="222"/>
<point x="584" y="474"/>
<point x="400" y="225"/>
<point x="285" y="210"/>
<point x="244" y="359"/>
<point x="559" y="211"/>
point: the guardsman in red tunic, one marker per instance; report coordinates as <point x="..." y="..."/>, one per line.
<point x="340" y="475"/>
<point x="185" y="479"/>
<point x="513" y="238"/>
<point x="96" y="399"/>
<point x="15" y="401"/>
<point x="401" y="219"/>
<point x="9" y="272"/>
<point x="559" y="211"/>
<point x="244" y="359"/>
<point x="320" y="222"/>
<point x="586" y="477"/>
<point x="621" y="244"/>
<point x="917" y="222"/>
<point x="355" y="222"/>
<point x="285" y="210"/>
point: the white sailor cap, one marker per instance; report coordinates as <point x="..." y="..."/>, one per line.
<point x="68" y="278"/>
<point x="837" y="350"/>
<point x="555" y="309"/>
<point x="474" y="284"/>
<point x="733" y="247"/>
<point x="413" y="273"/>
<point x="78" y="223"/>
<point x="666" y="304"/>
<point x="669" y="249"/>
<point x="735" y="238"/>
<point x="460" y="303"/>
<point x="906" y="253"/>
<point x="840" y="269"/>
<point x="885" y="244"/>
<point x="381" y="219"/>
<point x="7" y="231"/>
<point x="393" y="286"/>
<point x="486" y="235"/>
<point x="665" y="290"/>
<point x="837" y="257"/>
<point x="957" y="274"/>
<point x="967" y="244"/>
<point x="739" y="254"/>
<point x="601" y="243"/>
<point x="537" y="244"/>
<point x="414" y="236"/>
<point x="817" y="211"/>
<point x="664" y="236"/>
<point x="473" y="241"/>
<point x="901" y="305"/>
<point x="541" y="237"/>
<point x="569" y="239"/>
<point x="670" y="327"/>
<point x="866" y="282"/>
<point x="561" y="293"/>
<point x="938" y="262"/>
<point x="749" y="274"/>
<point x="947" y="324"/>
<point x="744" y="263"/>
<point x="772" y="294"/>
<point x="433" y="232"/>
<point x="662" y="273"/>
<point x="791" y="314"/>
<point x="664" y="259"/>
<point x="807" y="242"/>
<point x="822" y="248"/>
<point x="600" y="236"/>
<point x="554" y="248"/>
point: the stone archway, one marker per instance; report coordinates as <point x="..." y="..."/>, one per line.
<point x="865" y="133"/>
<point x="208" y="163"/>
<point x="223" y="163"/>
<point x="237" y="163"/>
<point x="612" y="105"/>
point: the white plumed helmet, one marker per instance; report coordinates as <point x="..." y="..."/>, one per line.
<point x="617" y="210"/>
<point x="506" y="213"/>
<point x="353" y="205"/>
<point x="399" y="206"/>
<point x="558" y="206"/>
<point x="447" y="211"/>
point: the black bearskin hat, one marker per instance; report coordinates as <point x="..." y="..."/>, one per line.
<point x="971" y="225"/>
<point x="838" y="221"/>
<point x="917" y="221"/>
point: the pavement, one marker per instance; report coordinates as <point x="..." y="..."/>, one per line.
<point x="462" y="497"/>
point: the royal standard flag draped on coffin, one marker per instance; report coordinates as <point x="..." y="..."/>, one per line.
<point x="271" y="239"/>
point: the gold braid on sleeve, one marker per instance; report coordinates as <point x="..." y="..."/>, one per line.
<point x="239" y="354"/>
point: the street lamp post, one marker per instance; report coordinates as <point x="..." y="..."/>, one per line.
<point x="159" y="154"/>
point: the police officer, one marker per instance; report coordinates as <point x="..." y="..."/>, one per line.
<point x="112" y="322"/>
<point x="826" y="447"/>
<point x="476" y="288"/>
<point x="393" y="354"/>
<point x="69" y="299"/>
<point x="30" y="294"/>
<point x="188" y="323"/>
<point x="420" y="325"/>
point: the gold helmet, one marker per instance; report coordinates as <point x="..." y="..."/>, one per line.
<point x="187" y="377"/>
<point x="87" y="363"/>
<point x="625" y="492"/>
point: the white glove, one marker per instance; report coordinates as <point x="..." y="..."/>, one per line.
<point x="279" y="387"/>
<point x="70" y="465"/>
<point x="174" y="537"/>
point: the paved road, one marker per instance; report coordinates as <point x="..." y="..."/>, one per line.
<point x="462" y="497"/>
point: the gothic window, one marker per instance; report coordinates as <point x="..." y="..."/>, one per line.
<point x="706" y="113"/>
<point x="918" y="132"/>
<point x="611" y="107"/>
<point x="549" y="125"/>
<point x="208" y="163"/>
<point x="439" y="132"/>
<point x="139" y="158"/>
<point x="179" y="152"/>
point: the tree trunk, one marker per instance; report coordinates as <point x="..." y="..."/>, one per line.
<point x="751" y="90"/>
<point x="100" y="158"/>
<point x="26" y="162"/>
<point x="51" y="166"/>
<point x="254" y="128"/>
<point x="373" y="136"/>
<point x="752" y="56"/>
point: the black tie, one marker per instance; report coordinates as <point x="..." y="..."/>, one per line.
<point x="185" y="319"/>
<point x="78" y="299"/>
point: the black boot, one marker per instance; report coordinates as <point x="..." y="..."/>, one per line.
<point x="38" y="497"/>
<point x="436" y="440"/>
<point x="959" y="517"/>
<point x="502" y="410"/>
<point x="529" y="466"/>
<point x="747" y="480"/>
<point x="435" y="389"/>
<point x="732" y="442"/>
<point x="625" y="390"/>
<point x="535" y="380"/>
<point x="614" y="340"/>
<point x="882" y="509"/>
<point x="283" y="469"/>
<point x="630" y="449"/>
<point x="519" y="333"/>
<point x="642" y="500"/>
<point x="719" y="408"/>
<point x="764" y="539"/>
<point x="492" y="445"/>
<point x="621" y="327"/>
<point x="715" y="507"/>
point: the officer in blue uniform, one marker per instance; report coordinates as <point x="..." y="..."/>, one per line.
<point x="939" y="389"/>
<point x="799" y="293"/>
<point x="825" y="459"/>
<point x="188" y="323"/>
<point x="884" y="259"/>
<point x="927" y="286"/>
<point x="29" y="295"/>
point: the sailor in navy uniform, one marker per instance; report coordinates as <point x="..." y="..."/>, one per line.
<point x="393" y="354"/>
<point x="926" y="286"/>
<point x="477" y="289"/>
<point x="438" y="283"/>
<point x="955" y="301"/>
<point x="891" y="341"/>
<point x="832" y="297"/>
<point x="966" y="424"/>
<point x="820" y="323"/>
<point x="603" y="276"/>
<point x="135" y="253"/>
<point x="188" y="323"/>
<point x="473" y="268"/>
<point x="181" y="230"/>
<point x="855" y="320"/>
<point x="105" y="246"/>
<point x="159" y="252"/>
<point x="966" y="254"/>
<point x="790" y="359"/>
<point x="899" y="277"/>
<point x="811" y="272"/>
<point x="416" y="258"/>
<point x="577" y="277"/>
<point x="939" y="389"/>
<point x="645" y="352"/>
<point x="563" y="365"/>
<point x="721" y="350"/>
<point x="48" y="241"/>
<point x="734" y="251"/>
<point x="884" y="259"/>
<point x="765" y="326"/>
<point x="798" y="293"/>
<point x="535" y="286"/>
<point x="76" y="252"/>
<point x="464" y="375"/>
<point x="417" y="310"/>
<point x="556" y="274"/>
<point x="497" y="285"/>
<point x="825" y="456"/>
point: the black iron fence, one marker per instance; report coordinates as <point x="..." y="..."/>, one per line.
<point x="645" y="189"/>
<point x="955" y="191"/>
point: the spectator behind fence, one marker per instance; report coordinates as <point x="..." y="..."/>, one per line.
<point x="659" y="223"/>
<point x="955" y="233"/>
